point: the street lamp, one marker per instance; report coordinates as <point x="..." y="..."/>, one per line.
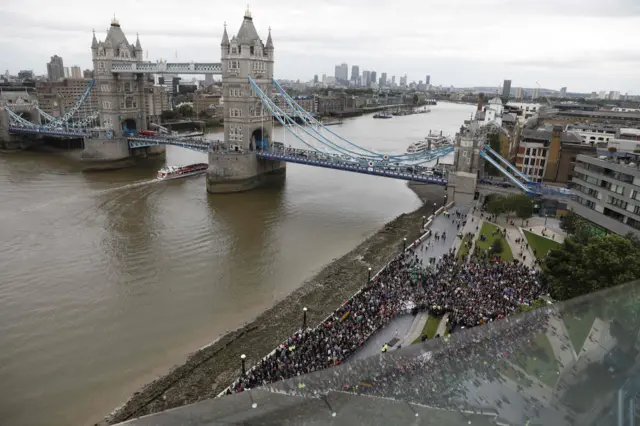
<point x="445" y="200"/>
<point x="243" y="357"/>
<point x="434" y="207"/>
<point x="369" y="279"/>
<point x="424" y="218"/>
<point x="304" y="318"/>
<point x="404" y="243"/>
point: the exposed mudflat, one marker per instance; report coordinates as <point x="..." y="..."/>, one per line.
<point x="210" y="370"/>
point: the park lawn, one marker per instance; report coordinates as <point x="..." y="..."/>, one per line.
<point x="541" y="244"/>
<point x="430" y="328"/>
<point x="487" y="229"/>
<point x="579" y="328"/>
<point x="545" y="370"/>
<point x="463" y="251"/>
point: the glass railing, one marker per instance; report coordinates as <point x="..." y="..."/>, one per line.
<point x="572" y="363"/>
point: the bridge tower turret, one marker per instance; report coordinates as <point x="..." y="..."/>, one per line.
<point x="121" y="98"/>
<point x="463" y="178"/>
<point x="248" y="127"/>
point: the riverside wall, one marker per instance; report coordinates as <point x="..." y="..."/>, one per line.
<point x="210" y="370"/>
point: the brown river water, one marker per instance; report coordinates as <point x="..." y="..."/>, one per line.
<point x="107" y="279"/>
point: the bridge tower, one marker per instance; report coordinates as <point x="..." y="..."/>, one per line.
<point x="121" y="97"/>
<point x="463" y="179"/>
<point x="247" y="125"/>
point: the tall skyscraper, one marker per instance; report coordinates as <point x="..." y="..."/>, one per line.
<point x="55" y="68"/>
<point x="403" y="81"/>
<point x="519" y="93"/>
<point x="428" y="80"/>
<point x="374" y="77"/>
<point x="536" y="94"/>
<point x="383" y="79"/>
<point x="67" y="72"/>
<point x="563" y="92"/>
<point x="315" y="79"/>
<point x="76" y="72"/>
<point x="506" y="90"/>
<point x="342" y="72"/>
<point x="324" y="78"/>
<point x="366" y="78"/>
<point x="393" y="79"/>
<point x="355" y="73"/>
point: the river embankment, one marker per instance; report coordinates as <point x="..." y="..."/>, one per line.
<point x="211" y="369"/>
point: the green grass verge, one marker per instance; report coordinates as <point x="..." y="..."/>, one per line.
<point x="430" y="328"/>
<point x="463" y="251"/>
<point x="540" y="244"/>
<point x="579" y="328"/>
<point x="487" y="229"/>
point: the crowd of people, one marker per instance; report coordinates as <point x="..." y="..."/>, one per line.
<point x="475" y="292"/>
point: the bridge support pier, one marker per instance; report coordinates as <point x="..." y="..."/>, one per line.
<point x="462" y="187"/>
<point x="229" y="172"/>
<point x="105" y="154"/>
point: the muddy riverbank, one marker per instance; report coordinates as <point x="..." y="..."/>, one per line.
<point x="211" y="369"/>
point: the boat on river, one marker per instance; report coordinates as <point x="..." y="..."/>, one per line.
<point x="175" y="172"/>
<point x="431" y="141"/>
<point x="383" y="115"/>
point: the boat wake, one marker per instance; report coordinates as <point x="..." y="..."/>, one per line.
<point x="75" y="198"/>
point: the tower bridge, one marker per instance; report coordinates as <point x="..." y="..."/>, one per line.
<point x="247" y="156"/>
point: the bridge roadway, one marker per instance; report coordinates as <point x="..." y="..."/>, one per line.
<point x="488" y="186"/>
<point x="402" y="171"/>
<point x="196" y="144"/>
<point x="39" y="130"/>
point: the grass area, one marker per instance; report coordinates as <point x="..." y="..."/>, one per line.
<point x="430" y="328"/>
<point x="488" y="229"/>
<point x="539" y="361"/>
<point x="540" y="244"/>
<point x="463" y="251"/>
<point x="579" y="328"/>
<point x="515" y="375"/>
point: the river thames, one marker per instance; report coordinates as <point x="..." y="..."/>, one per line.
<point x="107" y="279"/>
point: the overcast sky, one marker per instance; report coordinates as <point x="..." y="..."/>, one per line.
<point x="586" y="45"/>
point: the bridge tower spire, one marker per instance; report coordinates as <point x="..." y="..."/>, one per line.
<point x="248" y="126"/>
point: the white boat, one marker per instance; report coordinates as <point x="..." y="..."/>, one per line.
<point x="431" y="141"/>
<point x="174" y="172"/>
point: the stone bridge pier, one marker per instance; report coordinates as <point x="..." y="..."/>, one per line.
<point x="24" y="106"/>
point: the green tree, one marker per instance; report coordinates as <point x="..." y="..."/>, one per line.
<point x="497" y="205"/>
<point x="185" y="111"/>
<point x="168" y="115"/>
<point x="579" y="268"/>
<point x="497" y="246"/>
<point x="522" y="206"/>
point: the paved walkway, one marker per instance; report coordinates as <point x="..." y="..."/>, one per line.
<point x="432" y="248"/>
<point x="415" y="331"/>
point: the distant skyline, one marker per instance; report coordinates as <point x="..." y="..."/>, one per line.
<point x="586" y="45"/>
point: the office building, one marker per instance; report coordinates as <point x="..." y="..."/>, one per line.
<point x="366" y="78"/>
<point x="324" y="78"/>
<point x="25" y="75"/>
<point x="383" y="79"/>
<point x="608" y="193"/>
<point x="355" y="73"/>
<point x="506" y="90"/>
<point x="536" y="94"/>
<point x="563" y="92"/>
<point x="614" y="95"/>
<point x="374" y="77"/>
<point x="87" y="73"/>
<point x="403" y="81"/>
<point x="57" y="97"/>
<point x="519" y="93"/>
<point x="428" y="80"/>
<point x="315" y="79"/>
<point x="548" y="155"/>
<point x="342" y="72"/>
<point x="76" y="72"/>
<point x="393" y="80"/>
<point x="55" y="68"/>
